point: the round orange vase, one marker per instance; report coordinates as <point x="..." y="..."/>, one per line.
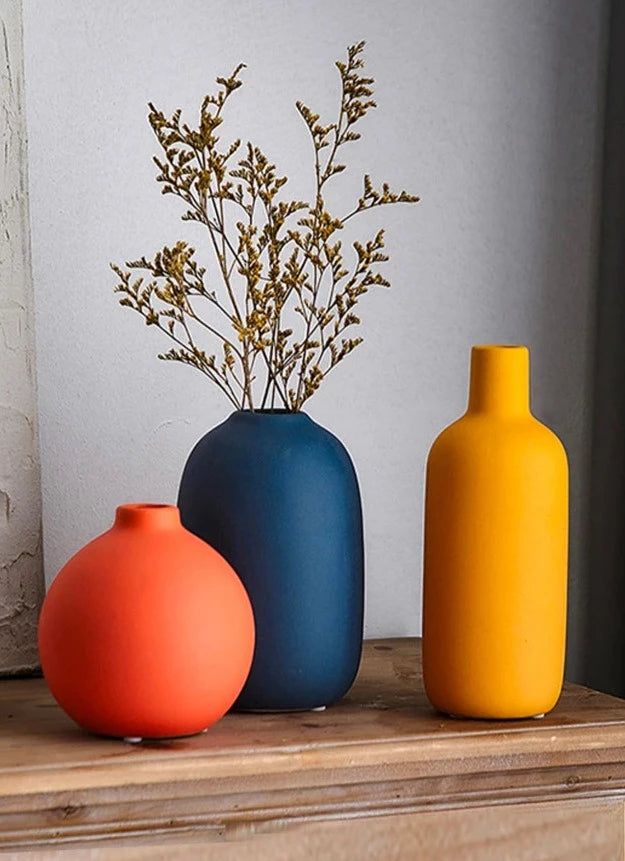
<point x="147" y="631"/>
<point x="495" y="554"/>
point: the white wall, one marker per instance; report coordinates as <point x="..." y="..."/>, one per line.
<point x="489" y="109"/>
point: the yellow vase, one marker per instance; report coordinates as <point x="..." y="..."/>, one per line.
<point x="495" y="554"/>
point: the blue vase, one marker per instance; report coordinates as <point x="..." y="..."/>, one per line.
<point x="277" y="495"/>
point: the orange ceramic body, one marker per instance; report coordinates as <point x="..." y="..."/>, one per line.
<point x="495" y="554"/>
<point x="147" y="631"/>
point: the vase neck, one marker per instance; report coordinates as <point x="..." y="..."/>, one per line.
<point x="499" y="380"/>
<point x="146" y="515"/>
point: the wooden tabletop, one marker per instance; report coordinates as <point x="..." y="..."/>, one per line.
<point x="382" y="750"/>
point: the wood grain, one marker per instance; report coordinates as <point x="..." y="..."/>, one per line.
<point x="383" y="751"/>
<point x="550" y="832"/>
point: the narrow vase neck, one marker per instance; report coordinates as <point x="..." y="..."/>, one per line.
<point x="500" y="380"/>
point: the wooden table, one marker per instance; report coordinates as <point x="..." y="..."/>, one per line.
<point x="379" y="776"/>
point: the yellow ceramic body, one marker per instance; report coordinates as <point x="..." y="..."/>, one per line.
<point x="495" y="554"/>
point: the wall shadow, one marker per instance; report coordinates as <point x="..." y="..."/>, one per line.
<point x="604" y="618"/>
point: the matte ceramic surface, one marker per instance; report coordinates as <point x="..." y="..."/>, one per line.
<point x="495" y="574"/>
<point x="277" y="495"/>
<point x="147" y="631"/>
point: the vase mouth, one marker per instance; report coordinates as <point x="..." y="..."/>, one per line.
<point x="493" y="347"/>
<point x="153" y="515"/>
<point x="280" y="413"/>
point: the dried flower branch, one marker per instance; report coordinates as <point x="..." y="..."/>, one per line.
<point x="282" y="318"/>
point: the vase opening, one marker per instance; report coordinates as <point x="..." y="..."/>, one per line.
<point x="500" y="347"/>
<point x="147" y="514"/>
<point x="144" y="505"/>
<point x="270" y="411"/>
<point x="268" y="414"/>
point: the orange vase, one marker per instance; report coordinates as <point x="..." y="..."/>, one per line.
<point x="495" y="553"/>
<point x="147" y="631"/>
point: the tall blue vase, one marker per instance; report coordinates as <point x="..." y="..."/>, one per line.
<point x="277" y="495"/>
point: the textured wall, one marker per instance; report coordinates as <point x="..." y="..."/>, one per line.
<point x="489" y="109"/>
<point x="21" y="575"/>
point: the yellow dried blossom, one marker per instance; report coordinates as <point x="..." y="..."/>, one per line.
<point x="275" y="258"/>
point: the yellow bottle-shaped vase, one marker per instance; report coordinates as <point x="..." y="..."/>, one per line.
<point x="495" y="552"/>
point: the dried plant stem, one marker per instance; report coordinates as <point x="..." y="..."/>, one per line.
<point x="277" y="258"/>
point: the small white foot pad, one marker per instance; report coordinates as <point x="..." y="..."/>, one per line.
<point x="133" y="739"/>
<point x="319" y="709"/>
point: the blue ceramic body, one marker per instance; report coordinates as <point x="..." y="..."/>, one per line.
<point x="277" y="495"/>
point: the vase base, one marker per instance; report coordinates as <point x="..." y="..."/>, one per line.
<point x="278" y="711"/>
<point x="466" y="717"/>
<point x="139" y="739"/>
